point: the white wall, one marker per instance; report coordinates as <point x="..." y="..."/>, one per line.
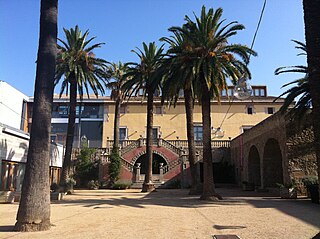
<point x="11" y="101"/>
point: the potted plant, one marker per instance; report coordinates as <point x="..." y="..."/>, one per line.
<point x="287" y="190"/>
<point x="311" y="183"/>
<point x="246" y="186"/>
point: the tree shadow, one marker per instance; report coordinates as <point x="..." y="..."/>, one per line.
<point x="300" y="208"/>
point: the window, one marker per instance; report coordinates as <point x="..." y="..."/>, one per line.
<point x="230" y="92"/>
<point x="155" y="133"/>
<point x="262" y="92"/>
<point x="123" y="133"/>
<point x="159" y="110"/>
<point x="198" y="132"/>
<point x="270" y="110"/>
<point x="140" y="93"/>
<point x="63" y="111"/>
<point x="256" y="92"/>
<point x="223" y="93"/>
<point x="123" y="109"/>
<point x="249" y="110"/>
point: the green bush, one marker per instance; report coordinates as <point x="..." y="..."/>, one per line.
<point x="86" y="169"/>
<point x="114" y="166"/>
<point x="310" y="180"/>
<point x="93" y="184"/>
<point x="121" y="185"/>
<point x="174" y="184"/>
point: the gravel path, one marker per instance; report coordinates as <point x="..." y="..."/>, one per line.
<point x="172" y="214"/>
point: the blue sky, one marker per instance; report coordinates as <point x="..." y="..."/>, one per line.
<point x="125" y="24"/>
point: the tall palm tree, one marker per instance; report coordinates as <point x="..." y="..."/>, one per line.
<point x="146" y="75"/>
<point x="300" y="89"/>
<point x="81" y="70"/>
<point x="213" y="60"/>
<point x="179" y="77"/>
<point x="312" y="32"/>
<point x="117" y="72"/>
<point x="34" y="208"/>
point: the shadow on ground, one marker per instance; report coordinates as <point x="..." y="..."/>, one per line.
<point x="301" y="208"/>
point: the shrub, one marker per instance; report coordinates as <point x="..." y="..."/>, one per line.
<point x="174" y="184"/>
<point x="114" y="166"/>
<point x="93" y="184"/>
<point x="310" y="180"/>
<point x="86" y="169"/>
<point x="121" y="185"/>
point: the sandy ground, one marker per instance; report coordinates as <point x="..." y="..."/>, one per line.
<point x="172" y="214"/>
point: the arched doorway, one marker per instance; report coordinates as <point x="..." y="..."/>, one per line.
<point x="272" y="164"/>
<point x="254" y="175"/>
<point x="157" y="159"/>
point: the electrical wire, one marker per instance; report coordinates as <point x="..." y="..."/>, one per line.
<point x="253" y="41"/>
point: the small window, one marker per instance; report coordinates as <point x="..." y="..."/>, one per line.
<point x="140" y="92"/>
<point x="198" y="132"/>
<point x="123" y="133"/>
<point x="262" y="92"/>
<point x="223" y="93"/>
<point x="249" y="110"/>
<point x="257" y="92"/>
<point x="230" y="92"/>
<point x="159" y="110"/>
<point x="123" y="109"/>
<point x="270" y="110"/>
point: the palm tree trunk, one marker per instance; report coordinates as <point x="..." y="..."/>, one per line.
<point x="191" y="147"/>
<point x="208" y="192"/>
<point x="70" y="133"/>
<point x="312" y="31"/>
<point x="34" y="209"/>
<point x="148" y="184"/>
<point x="116" y="125"/>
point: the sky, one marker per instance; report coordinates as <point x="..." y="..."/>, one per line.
<point x="124" y="24"/>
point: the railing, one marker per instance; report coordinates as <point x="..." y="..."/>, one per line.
<point x="132" y="144"/>
<point x="127" y="164"/>
<point x="170" y="146"/>
<point x="198" y="143"/>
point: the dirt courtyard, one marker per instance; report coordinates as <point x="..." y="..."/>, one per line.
<point x="171" y="214"/>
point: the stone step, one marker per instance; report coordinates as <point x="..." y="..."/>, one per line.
<point x="138" y="185"/>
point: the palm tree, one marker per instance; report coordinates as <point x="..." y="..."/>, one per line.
<point x="300" y="89"/>
<point x="179" y="77"/>
<point x="117" y="71"/>
<point x="34" y="209"/>
<point x="81" y="70"/>
<point x="146" y="75"/>
<point x="312" y="29"/>
<point x="212" y="60"/>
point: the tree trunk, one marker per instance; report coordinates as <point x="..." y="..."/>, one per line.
<point x="191" y="147"/>
<point x="34" y="209"/>
<point x="148" y="184"/>
<point x="312" y="31"/>
<point x="208" y="192"/>
<point x="116" y="125"/>
<point x="70" y="133"/>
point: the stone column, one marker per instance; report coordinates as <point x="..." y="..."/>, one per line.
<point x="137" y="179"/>
<point x="140" y="141"/>
<point x="161" y="173"/>
<point x="159" y="142"/>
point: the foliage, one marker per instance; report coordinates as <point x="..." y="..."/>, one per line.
<point x="86" y="169"/>
<point x="310" y="180"/>
<point x="300" y="88"/>
<point x="114" y="166"/>
<point x="76" y="61"/>
<point x="291" y="184"/>
<point x="121" y="185"/>
<point x="93" y="184"/>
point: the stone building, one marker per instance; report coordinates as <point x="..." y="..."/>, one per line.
<point x="277" y="150"/>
